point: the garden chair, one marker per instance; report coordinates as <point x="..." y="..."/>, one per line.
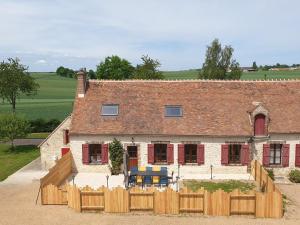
<point x="132" y="179"/>
<point x="147" y="179"/>
<point x="139" y="179"/>
<point x="155" y="179"/>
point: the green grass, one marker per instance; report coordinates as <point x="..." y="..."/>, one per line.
<point x="54" y="99"/>
<point x="258" y="75"/>
<point x="38" y="135"/>
<point x="11" y="161"/>
<point x="227" y="186"/>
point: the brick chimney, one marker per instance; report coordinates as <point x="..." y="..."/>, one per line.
<point x="81" y="83"/>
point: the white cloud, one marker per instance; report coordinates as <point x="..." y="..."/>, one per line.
<point x="41" y="61"/>
<point x="174" y="31"/>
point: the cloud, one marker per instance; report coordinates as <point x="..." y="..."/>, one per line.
<point x="41" y="61"/>
<point x="174" y="31"/>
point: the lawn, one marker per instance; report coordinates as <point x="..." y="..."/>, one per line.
<point x="37" y="135"/>
<point x="11" y="161"/>
<point x="227" y="186"/>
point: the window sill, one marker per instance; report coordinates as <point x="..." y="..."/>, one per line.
<point x="275" y="166"/>
<point x="96" y="164"/>
<point x="191" y="164"/>
<point x="235" y="164"/>
<point x="161" y="163"/>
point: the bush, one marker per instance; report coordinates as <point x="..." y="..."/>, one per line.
<point x="271" y="173"/>
<point x="41" y="125"/>
<point x="294" y="176"/>
<point x="116" y="156"/>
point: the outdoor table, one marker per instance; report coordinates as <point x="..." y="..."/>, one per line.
<point x="149" y="173"/>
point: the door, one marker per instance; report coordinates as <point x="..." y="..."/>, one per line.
<point x="133" y="157"/>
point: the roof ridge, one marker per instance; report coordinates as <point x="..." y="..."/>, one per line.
<point x="196" y="80"/>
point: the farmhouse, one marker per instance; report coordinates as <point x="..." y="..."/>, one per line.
<point x="190" y="126"/>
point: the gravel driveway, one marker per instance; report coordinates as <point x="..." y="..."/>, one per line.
<point x="17" y="206"/>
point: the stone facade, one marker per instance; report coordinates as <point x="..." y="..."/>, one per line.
<point x="51" y="148"/>
<point x="212" y="153"/>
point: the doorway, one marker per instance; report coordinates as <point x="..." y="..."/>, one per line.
<point x="132" y="156"/>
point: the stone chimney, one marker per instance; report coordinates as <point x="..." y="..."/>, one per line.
<point x="81" y="83"/>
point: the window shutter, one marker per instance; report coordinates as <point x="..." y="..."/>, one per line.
<point x="170" y="154"/>
<point x="64" y="137"/>
<point x="67" y="136"/>
<point x="285" y="155"/>
<point x="104" y="153"/>
<point x="297" y="156"/>
<point x="224" y="154"/>
<point x="245" y="154"/>
<point x="181" y="154"/>
<point x="64" y="151"/>
<point x="151" y="153"/>
<point x="266" y="154"/>
<point x="85" y="154"/>
<point x="200" y="154"/>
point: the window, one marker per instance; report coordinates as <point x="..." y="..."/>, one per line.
<point x="95" y="153"/>
<point x="275" y="154"/>
<point x="259" y="125"/>
<point x="190" y="153"/>
<point x="160" y="153"/>
<point x="173" y="111"/>
<point x="110" y="110"/>
<point x="234" y="153"/>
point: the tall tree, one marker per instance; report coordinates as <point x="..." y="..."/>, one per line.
<point x="114" y="68"/>
<point x="14" y="81"/>
<point x="219" y="64"/>
<point x="254" y="66"/>
<point x="148" y="70"/>
<point x="12" y="127"/>
<point x="91" y="74"/>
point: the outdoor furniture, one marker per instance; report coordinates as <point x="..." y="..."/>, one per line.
<point x="147" y="178"/>
<point x="155" y="179"/>
<point x="132" y="179"/>
<point x="139" y="179"/>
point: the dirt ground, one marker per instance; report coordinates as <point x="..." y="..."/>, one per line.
<point x="17" y="206"/>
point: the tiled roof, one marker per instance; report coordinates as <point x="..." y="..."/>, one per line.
<point x="214" y="108"/>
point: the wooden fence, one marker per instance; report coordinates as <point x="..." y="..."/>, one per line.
<point x="51" y="190"/>
<point x="267" y="204"/>
<point x="218" y="203"/>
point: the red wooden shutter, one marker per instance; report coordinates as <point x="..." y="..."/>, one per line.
<point x="170" y="154"/>
<point x="67" y="136"/>
<point x="245" y="154"/>
<point x="64" y="137"/>
<point x="259" y="125"/>
<point x="151" y="153"/>
<point x="64" y="151"/>
<point x="200" y="154"/>
<point x="285" y="155"/>
<point x="85" y="154"/>
<point x="297" y="155"/>
<point x="104" y="153"/>
<point x="181" y="154"/>
<point x="224" y="154"/>
<point x="266" y="154"/>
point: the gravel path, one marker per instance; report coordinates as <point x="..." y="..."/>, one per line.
<point x="17" y="206"/>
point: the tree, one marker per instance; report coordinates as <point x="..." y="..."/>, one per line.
<point x="12" y="127"/>
<point x="14" y="81"/>
<point x="65" y="72"/>
<point x="116" y="156"/>
<point x="92" y="74"/>
<point x="254" y="66"/>
<point x="148" y="70"/>
<point x="114" y="68"/>
<point x="219" y="64"/>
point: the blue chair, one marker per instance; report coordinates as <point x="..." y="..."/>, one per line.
<point x="132" y="179"/>
<point x="164" y="181"/>
<point x="148" y="179"/>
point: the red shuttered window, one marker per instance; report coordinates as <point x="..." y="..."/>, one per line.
<point x="104" y="153"/>
<point x="224" y="154"/>
<point x="200" y="154"/>
<point x="151" y="153"/>
<point x="245" y="155"/>
<point x="285" y="155"/>
<point x="181" y="159"/>
<point x="170" y="154"/>
<point x="85" y="154"/>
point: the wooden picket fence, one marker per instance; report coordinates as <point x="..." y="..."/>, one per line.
<point x="218" y="203"/>
<point x="263" y="204"/>
<point x="52" y="190"/>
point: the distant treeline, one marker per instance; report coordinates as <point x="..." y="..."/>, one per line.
<point x="278" y="65"/>
<point x="66" y="72"/>
<point x="42" y="125"/>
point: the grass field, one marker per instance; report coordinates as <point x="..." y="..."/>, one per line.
<point x="56" y="94"/>
<point x="11" y="161"/>
<point x="227" y="186"/>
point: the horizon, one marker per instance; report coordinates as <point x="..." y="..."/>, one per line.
<point x="46" y="35"/>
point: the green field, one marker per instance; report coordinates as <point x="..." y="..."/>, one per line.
<point x="11" y="161"/>
<point x="56" y="94"/>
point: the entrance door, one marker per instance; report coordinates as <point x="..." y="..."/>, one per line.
<point x="133" y="157"/>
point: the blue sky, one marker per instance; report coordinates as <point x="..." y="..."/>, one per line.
<point x="47" y="34"/>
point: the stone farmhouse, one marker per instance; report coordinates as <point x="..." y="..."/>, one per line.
<point x="190" y="126"/>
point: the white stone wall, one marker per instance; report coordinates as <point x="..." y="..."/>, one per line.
<point x="212" y="153"/>
<point x="51" y="148"/>
<point x="291" y="139"/>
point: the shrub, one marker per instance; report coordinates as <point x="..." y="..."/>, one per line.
<point x="116" y="156"/>
<point x="271" y="173"/>
<point x="295" y="176"/>
<point x="41" y="125"/>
